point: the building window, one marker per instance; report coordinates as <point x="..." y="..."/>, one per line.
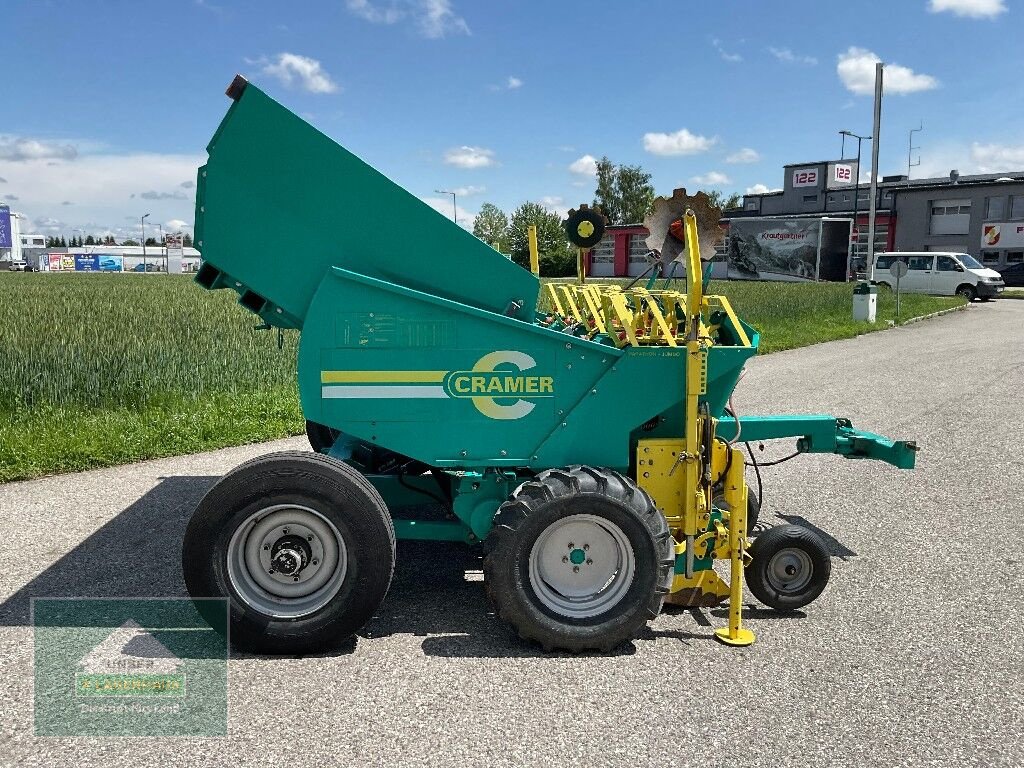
<point x="846" y="197"/>
<point x="990" y="257"/>
<point x="810" y="198"/>
<point x="752" y="205"/>
<point x="1017" y="206"/>
<point x="1015" y="257"/>
<point x="950" y="217"/>
<point x="994" y="207"/>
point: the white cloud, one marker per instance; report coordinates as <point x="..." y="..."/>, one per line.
<point x="757" y="189"/>
<point x="682" y="142"/>
<point x="584" y="166"/>
<point x="102" y="187"/>
<point x="443" y="205"/>
<point x="469" y="157"/>
<point x="787" y="55"/>
<point x="745" y="155"/>
<point x="176" y="225"/>
<point x="711" y="179"/>
<point x="994" y="158"/>
<point x="555" y="204"/>
<point x="856" y="70"/>
<point x="514" y="82"/>
<point x="726" y="55"/>
<point x="432" y="18"/>
<point x="382" y="13"/>
<point x="975" y="9"/>
<point x="20" y="148"/>
<point x="306" y="73"/>
<point x="468" y="191"/>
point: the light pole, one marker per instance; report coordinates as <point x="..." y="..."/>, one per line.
<point x="145" y="267"/>
<point x="163" y="245"/>
<point x="856" y="191"/>
<point x="455" y="211"/>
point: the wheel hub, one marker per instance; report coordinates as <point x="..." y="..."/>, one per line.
<point x="790" y="570"/>
<point x="287" y="561"/>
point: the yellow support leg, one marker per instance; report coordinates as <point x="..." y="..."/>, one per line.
<point x="736" y="498"/>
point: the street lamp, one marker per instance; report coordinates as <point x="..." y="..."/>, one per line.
<point x="145" y="267"/>
<point x="163" y="246"/>
<point x="856" y="191"/>
<point x="455" y="211"/>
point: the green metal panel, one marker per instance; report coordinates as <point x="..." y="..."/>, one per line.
<point x="279" y="203"/>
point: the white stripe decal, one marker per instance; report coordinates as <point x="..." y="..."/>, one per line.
<point x="382" y="391"/>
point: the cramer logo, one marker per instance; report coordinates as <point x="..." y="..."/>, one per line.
<point x="484" y="385"/>
<point x="501" y="385"/>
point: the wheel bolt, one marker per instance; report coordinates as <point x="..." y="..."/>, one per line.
<point x="266" y="546"/>
<point x="575" y="569"/>
<point x="295" y="578"/>
<point x="565" y="558"/>
<point x="271" y="571"/>
<point x="586" y="547"/>
<point x="571" y="545"/>
<point x="315" y="562"/>
<point x="590" y="562"/>
<point x="310" y="537"/>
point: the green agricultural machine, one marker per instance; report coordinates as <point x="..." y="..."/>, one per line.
<point x="584" y="441"/>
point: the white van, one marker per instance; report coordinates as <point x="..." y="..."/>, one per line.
<point x="940" y="273"/>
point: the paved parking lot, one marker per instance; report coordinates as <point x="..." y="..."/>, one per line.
<point x="913" y="655"/>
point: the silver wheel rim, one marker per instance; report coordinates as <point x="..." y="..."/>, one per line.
<point x="790" y="570"/>
<point x="283" y="595"/>
<point x="581" y="566"/>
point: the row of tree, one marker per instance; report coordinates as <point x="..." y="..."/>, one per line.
<point x="78" y="242"/>
<point x="624" y="193"/>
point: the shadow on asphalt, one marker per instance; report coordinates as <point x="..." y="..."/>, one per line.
<point x="437" y="592"/>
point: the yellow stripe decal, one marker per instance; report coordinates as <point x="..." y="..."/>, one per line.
<point x="382" y="377"/>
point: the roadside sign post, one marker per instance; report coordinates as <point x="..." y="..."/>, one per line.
<point x="898" y="270"/>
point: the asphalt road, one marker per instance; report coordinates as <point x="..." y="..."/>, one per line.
<point x="913" y="655"/>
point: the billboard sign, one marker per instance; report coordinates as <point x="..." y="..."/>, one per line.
<point x="774" y="249"/>
<point x="67" y="262"/>
<point x="805" y="177"/>
<point x="55" y="261"/>
<point x="109" y="263"/>
<point x="175" y="245"/>
<point x="86" y="262"/>
<point x="1003" y="235"/>
<point x="6" y="241"/>
<point x="841" y="175"/>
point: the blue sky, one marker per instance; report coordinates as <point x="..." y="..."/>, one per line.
<point x="107" y="106"/>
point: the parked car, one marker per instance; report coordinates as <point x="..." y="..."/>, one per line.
<point x="1014" y="274"/>
<point x="18" y="265"/>
<point x="940" y="274"/>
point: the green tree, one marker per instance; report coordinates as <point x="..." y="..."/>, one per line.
<point x="63" y="242"/>
<point x="624" y="192"/>
<point x="186" y="241"/>
<point x="129" y="241"/>
<point x="491" y="226"/>
<point x="721" y="201"/>
<point x="90" y="240"/>
<point x="150" y="241"/>
<point x="557" y="257"/>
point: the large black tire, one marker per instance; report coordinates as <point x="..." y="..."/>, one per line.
<point x="292" y="482"/>
<point x="321" y="437"/>
<point x="612" y="504"/>
<point x="780" y="550"/>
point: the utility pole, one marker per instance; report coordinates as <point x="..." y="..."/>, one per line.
<point x="856" y="193"/>
<point x="873" y="203"/>
<point x="455" y="211"/>
<point x="911" y="148"/>
<point x="145" y="266"/>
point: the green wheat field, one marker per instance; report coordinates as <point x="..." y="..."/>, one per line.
<point x="98" y="370"/>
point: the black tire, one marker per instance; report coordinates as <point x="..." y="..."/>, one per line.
<point x="321" y="437"/>
<point x="797" y="547"/>
<point x="553" y="496"/>
<point x="753" y="507"/>
<point x="969" y="292"/>
<point x="334" y="491"/>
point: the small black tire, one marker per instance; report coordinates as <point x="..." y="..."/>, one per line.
<point x="321" y="437"/>
<point x="968" y="292"/>
<point x="789" y="567"/>
<point x="605" y="504"/>
<point x="340" y="501"/>
<point x="753" y="509"/>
